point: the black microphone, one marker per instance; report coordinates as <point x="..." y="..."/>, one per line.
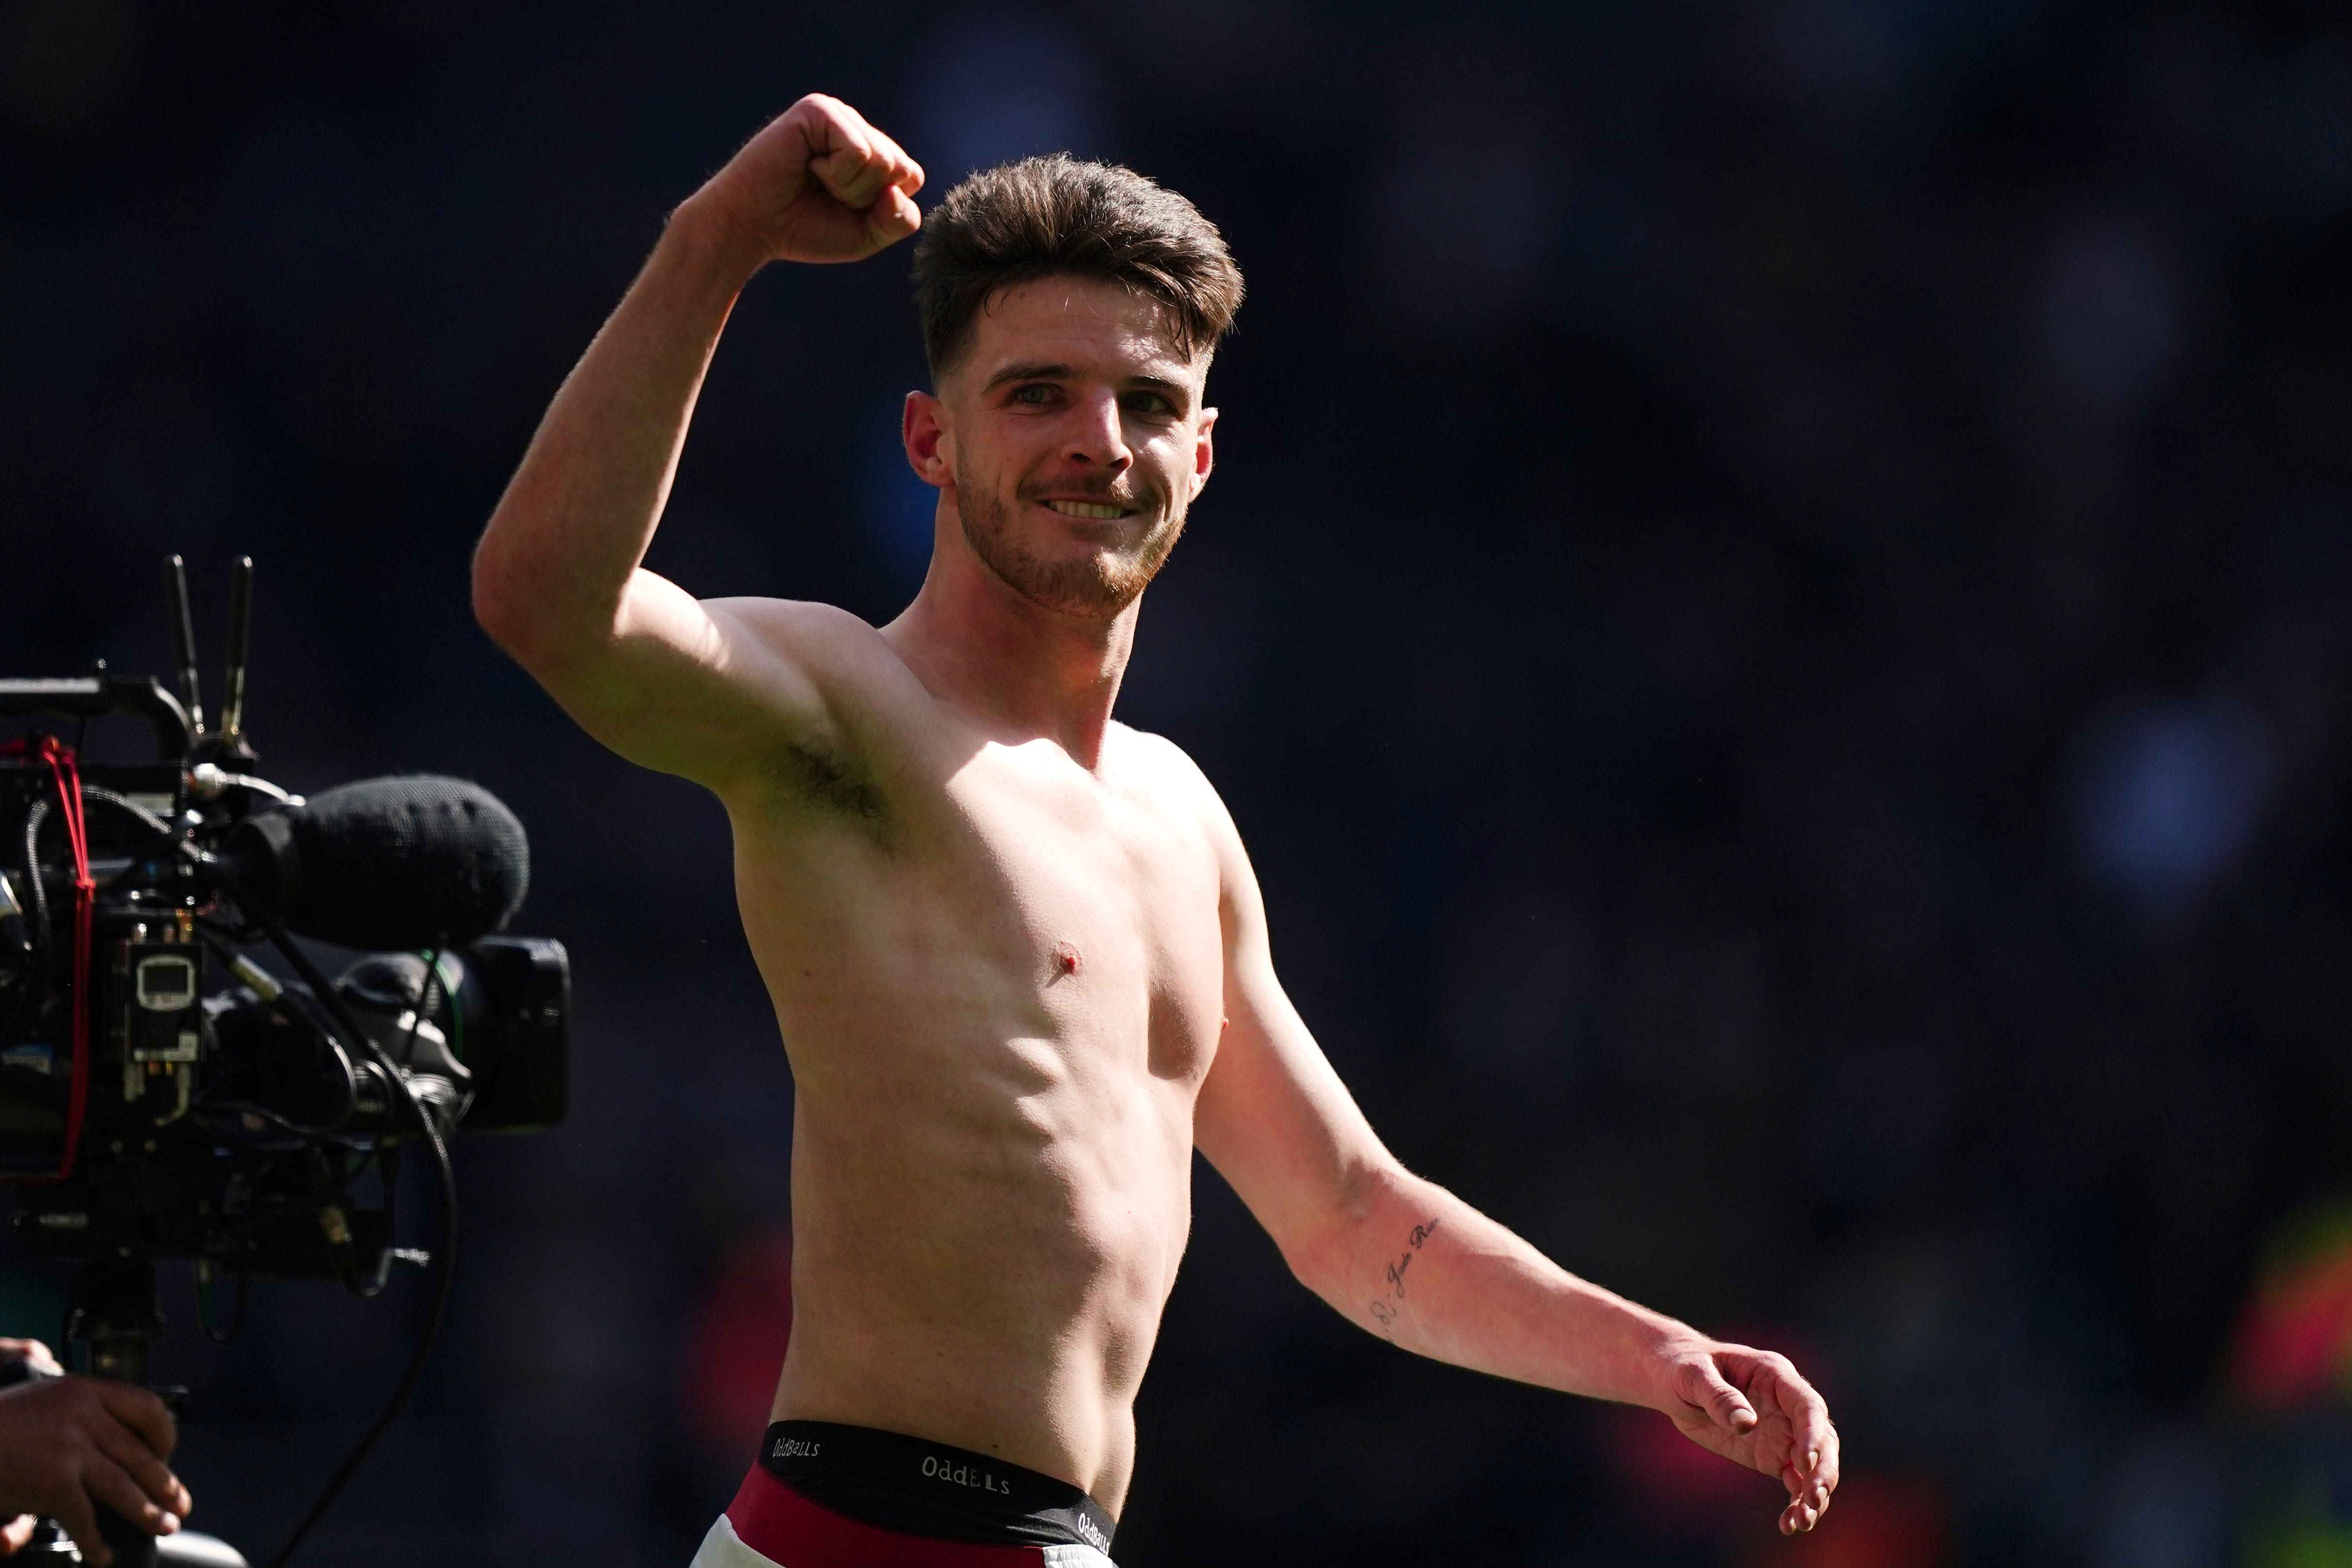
<point x="410" y="862"/>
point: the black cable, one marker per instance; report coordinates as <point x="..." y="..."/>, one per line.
<point x="39" y="813"/>
<point x="37" y="970"/>
<point x="384" y="1154"/>
<point x="381" y="1153"/>
<point x="35" y="815"/>
<point x="325" y="996"/>
<point x="286" y="1004"/>
<point x="442" y="1264"/>
<point x="124" y="803"/>
<point x="42" y="937"/>
<point x="431" y="982"/>
<point x="323" y="993"/>
<point x="208" y="1113"/>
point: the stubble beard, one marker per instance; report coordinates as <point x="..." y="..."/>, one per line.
<point x="1096" y="586"/>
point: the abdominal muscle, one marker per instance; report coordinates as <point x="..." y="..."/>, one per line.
<point x="991" y="1183"/>
<point x="996" y="1289"/>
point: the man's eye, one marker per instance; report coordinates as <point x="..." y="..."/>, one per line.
<point x="1033" y="394"/>
<point x="1149" y="403"/>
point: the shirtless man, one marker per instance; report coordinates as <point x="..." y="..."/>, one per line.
<point x="1016" y="949"/>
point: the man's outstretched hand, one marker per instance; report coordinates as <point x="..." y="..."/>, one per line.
<point x="817" y="185"/>
<point x="1751" y="1406"/>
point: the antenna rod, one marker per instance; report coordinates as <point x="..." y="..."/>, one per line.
<point x="184" y="643"/>
<point x="240" y="643"/>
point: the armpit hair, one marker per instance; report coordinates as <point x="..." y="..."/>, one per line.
<point x="837" y="783"/>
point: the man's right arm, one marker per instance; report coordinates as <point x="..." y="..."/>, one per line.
<point x="667" y="680"/>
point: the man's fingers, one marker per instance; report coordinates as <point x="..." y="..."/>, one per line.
<point x="895" y="217"/>
<point x="884" y="177"/>
<point x="1811" y="1473"/>
<point x="840" y="170"/>
<point x="909" y="177"/>
<point x="16" y="1532"/>
<point x="856" y="177"/>
<point x="1806" y="1491"/>
<point x="108" y="1483"/>
<point x="1823" y="1475"/>
<point x="151" y="1476"/>
<point x="141" y="1412"/>
<point x="887" y="164"/>
<point x="905" y="172"/>
<point x="856" y="163"/>
<point x="1813" y="1443"/>
<point x="1725" y="1406"/>
<point x="33" y="1352"/>
<point x="1809" y="1498"/>
<point x="839" y="141"/>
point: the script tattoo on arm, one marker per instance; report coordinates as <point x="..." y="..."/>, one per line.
<point x="1386" y="1310"/>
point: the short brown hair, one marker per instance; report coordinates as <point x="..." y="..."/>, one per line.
<point x="1059" y="217"/>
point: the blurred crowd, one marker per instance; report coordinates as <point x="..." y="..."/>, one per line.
<point x="1774" y="610"/>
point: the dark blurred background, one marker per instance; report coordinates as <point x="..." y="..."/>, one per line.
<point x="1774" y="612"/>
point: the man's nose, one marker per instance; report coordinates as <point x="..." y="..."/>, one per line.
<point x="1097" y="435"/>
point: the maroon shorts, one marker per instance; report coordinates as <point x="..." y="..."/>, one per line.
<point x="769" y="1523"/>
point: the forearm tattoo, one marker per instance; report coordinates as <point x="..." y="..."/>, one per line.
<point x="1390" y="1305"/>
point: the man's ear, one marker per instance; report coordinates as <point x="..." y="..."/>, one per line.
<point x="1204" y="450"/>
<point x="931" y="446"/>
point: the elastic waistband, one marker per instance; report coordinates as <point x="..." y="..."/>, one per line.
<point x="912" y="1484"/>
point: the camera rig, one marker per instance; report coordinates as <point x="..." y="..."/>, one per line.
<point x="164" y="1095"/>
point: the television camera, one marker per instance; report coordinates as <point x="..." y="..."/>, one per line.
<point x="162" y="1095"/>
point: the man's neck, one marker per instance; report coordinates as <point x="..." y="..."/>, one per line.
<point x="975" y="641"/>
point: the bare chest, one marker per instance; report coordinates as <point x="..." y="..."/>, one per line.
<point x="1101" y="895"/>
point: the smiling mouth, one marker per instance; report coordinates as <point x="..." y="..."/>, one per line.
<point x="1096" y="510"/>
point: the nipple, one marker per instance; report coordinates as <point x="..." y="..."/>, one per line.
<point x="1066" y="958"/>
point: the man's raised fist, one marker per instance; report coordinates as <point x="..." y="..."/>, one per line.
<point x="818" y="183"/>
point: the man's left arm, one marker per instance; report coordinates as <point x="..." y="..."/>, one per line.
<point x="1406" y="1259"/>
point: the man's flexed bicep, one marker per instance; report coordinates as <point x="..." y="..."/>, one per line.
<point x="690" y="688"/>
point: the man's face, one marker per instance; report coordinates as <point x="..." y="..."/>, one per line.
<point x="1072" y="439"/>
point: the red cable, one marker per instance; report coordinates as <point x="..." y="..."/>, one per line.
<point x="67" y="777"/>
